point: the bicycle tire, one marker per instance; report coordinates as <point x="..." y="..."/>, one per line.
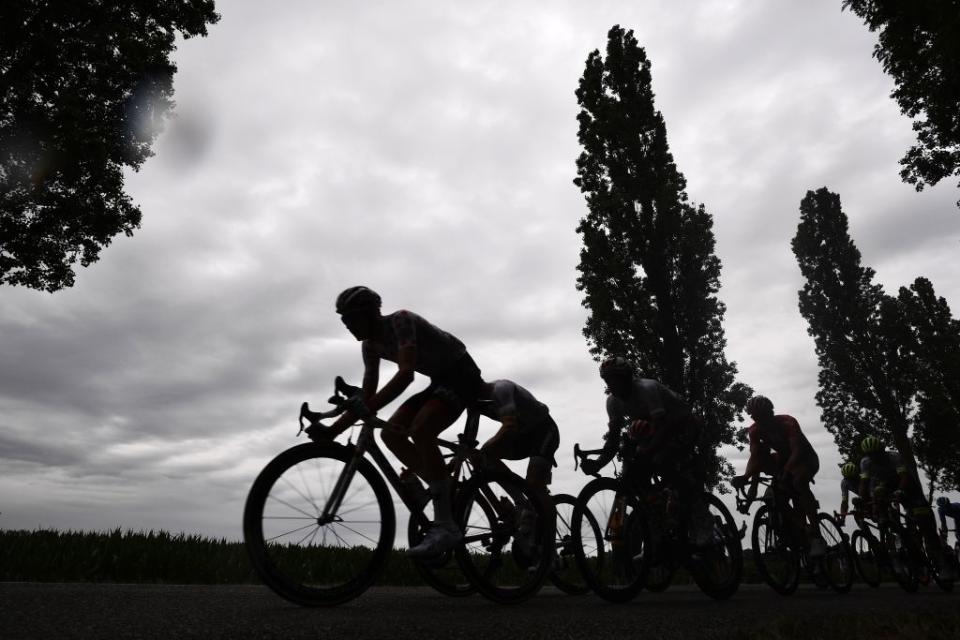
<point x="505" y="576"/>
<point x="726" y="549"/>
<point x="786" y="550"/>
<point x="865" y="553"/>
<point x="838" y="559"/>
<point x="565" y="574"/>
<point x="901" y="565"/>
<point x="317" y="575"/>
<point x="611" y="570"/>
<point x="442" y="573"/>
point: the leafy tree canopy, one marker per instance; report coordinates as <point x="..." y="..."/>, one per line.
<point x="919" y="46"/>
<point x="84" y="86"/>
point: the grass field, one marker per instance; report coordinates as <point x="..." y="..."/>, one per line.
<point x="162" y="557"/>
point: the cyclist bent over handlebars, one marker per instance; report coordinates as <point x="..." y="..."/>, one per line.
<point x="417" y="346"/>
<point x="661" y="438"/>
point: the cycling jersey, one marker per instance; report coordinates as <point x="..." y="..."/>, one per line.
<point x="537" y="434"/>
<point x="779" y="436"/>
<point x="437" y="350"/>
<point x="883" y="468"/>
<point x="648" y="399"/>
<point x="848" y="486"/>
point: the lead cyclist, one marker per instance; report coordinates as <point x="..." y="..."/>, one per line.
<point x="416" y="346"/>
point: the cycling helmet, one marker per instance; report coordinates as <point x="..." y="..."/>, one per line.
<point x="871" y="444"/>
<point x="759" y="404"/>
<point x="356" y="298"/>
<point x="849" y="470"/>
<point x="616" y="365"/>
<point x="943" y="501"/>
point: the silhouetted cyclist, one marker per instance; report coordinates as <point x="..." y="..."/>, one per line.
<point x="779" y="448"/>
<point x="417" y="346"/>
<point x="885" y="476"/>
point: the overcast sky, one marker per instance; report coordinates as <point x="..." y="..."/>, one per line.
<point x="427" y="150"/>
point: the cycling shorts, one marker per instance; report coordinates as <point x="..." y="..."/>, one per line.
<point x="458" y="386"/>
<point x="538" y="441"/>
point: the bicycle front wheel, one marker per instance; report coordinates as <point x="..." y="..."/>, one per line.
<point x="897" y="547"/>
<point x="308" y="557"/>
<point x="508" y="535"/>
<point x="866" y="557"/>
<point x="777" y="558"/>
<point x="565" y="574"/>
<point x="610" y="558"/>
<point x="838" y="560"/>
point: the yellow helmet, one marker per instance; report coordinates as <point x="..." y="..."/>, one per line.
<point x="849" y="470"/>
<point x="871" y="444"/>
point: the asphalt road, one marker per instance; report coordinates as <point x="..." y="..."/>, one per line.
<point x="34" y="610"/>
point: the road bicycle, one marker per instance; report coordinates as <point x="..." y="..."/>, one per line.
<point x="645" y="538"/>
<point x="319" y="522"/>
<point x="781" y="548"/>
<point x="911" y="561"/>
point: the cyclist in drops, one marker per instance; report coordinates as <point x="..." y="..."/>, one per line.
<point x="947" y="509"/>
<point x="850" y="484"/>
<point x="885" y="476"/>
<point x="416" y="346"/>
<point x="779" y="448"/>
<point x="526" y="431"/>
<point x="661" y="437"/>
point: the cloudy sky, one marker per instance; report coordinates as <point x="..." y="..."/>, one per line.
<point x="427" y="150"/>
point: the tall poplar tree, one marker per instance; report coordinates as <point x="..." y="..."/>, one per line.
<point x="935" y="346"/>
<point x="867" y="372"/>
<point x="647" y="268"/>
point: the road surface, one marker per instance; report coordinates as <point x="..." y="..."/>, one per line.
<point x="42" y="611"/>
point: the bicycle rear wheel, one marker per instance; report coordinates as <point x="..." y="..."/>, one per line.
<point x="837" y="561"/>
<point x="610" y="559"/>
<point x="307" y="558"/>
<point x="717" y="568"/>
<point x="776" y="556"/>
<point x="866" y="557"/>
<point x="508" y="534"/>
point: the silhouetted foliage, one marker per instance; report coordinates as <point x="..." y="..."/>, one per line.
<point x="920" y="48"/>
<point x="867" y="380"/>
<point x="84" y="87"/>
<point x="935" y="346"/>
<point x="647" y="268"/>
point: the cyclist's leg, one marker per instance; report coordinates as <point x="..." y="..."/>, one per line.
<point x="399" y="441"/>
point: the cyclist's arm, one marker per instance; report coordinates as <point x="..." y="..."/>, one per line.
<point x="797" y="447"/>
<point x="406" y="360"/>
<point x="753" y="462"/>
<point x="942" y="513"/>
<point x="844" y="499"/>
<point x="508" y="425"/>
<point x="371" y="375"/>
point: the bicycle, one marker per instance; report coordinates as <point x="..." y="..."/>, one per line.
<point x="645" y="537"/>
<point x="319" y="522"/>
<point x="780" y="547"/>
<point x="912" y="562"/>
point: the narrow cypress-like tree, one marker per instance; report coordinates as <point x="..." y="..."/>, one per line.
<point x="867" y="373"/>
<point x="647" y="267"/>
<point x="935" y="346"/>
